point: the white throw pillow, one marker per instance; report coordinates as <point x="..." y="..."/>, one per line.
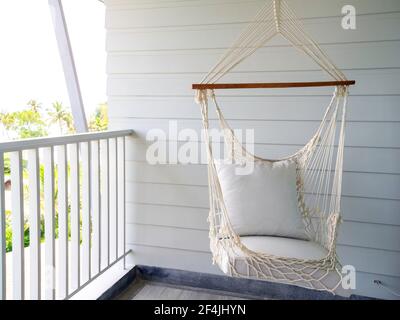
<point x="263" y="203"/>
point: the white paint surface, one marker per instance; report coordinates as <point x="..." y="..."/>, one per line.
<point x="158" y="48"/>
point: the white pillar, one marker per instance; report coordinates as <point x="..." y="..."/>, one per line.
<point x="67" y="59"/>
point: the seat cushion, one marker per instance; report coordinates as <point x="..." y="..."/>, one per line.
<point x="264" y="202"/>
<point x="285" y="247"/>
<point x="236" y="262"/>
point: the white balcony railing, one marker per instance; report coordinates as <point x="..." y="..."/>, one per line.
<point x="73" y="187"/>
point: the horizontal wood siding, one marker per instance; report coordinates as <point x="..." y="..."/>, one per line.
<point x="158" y="48"/>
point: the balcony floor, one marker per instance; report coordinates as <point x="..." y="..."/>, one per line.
<point x="148" y="290"/>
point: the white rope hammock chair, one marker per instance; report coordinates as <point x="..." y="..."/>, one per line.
<point x="319" y="166"/>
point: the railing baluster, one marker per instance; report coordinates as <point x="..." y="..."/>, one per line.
<point x="17" y="209"/>
<point x="123" y="192"/>
<point x="120" y="195"/>
<point x="86" y="256"/>
<point x="75" y="216"/>
<point x="96" y="230"/>
<point x="2" y="232"/>
<point x="62" y="166"/>
<point x="34" y="224"/>
<point x="49" y="222"/>
<point x="116" y="197"/>
<point x="113" y="198"/>
<point x="99" y="160"/>
<point x="105" y="202"/>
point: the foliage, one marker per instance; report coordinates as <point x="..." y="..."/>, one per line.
<point x="27" y="123"/>
<point x="62" y="117"/>
<point x="7" y="170"/>
<point x="26" y="231"/>
<point x="99" y="120"/>
<point x="33" y="122"/>
<point x="8" y="231"/>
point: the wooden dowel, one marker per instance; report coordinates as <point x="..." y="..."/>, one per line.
<point x="272" y="85"/>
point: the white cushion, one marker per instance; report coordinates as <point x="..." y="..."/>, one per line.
<point x="281" y="247"/>
<point x="285" y="247"/>
<point x="264" y="202"/>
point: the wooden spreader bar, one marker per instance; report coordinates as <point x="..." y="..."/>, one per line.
<point x="271" y="85"/>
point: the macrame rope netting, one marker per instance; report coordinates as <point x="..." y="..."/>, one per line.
<point x="319" y="165"/>
<point x="274" y="18"/>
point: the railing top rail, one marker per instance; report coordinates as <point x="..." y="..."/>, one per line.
<point x="26" y="144"/>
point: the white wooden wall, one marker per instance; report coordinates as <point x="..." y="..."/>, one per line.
<point x="157" y="48"/>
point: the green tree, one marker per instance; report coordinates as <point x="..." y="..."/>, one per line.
<point x="27" y="123"/>
<point x="99" y="120"/>
<point x="62" y="117"/>
<point x="30" y="123"/>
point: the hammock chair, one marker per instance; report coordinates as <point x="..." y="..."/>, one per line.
<point x="306" y="186"/>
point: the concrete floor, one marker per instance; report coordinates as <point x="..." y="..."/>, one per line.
<point x="144" y="290"/>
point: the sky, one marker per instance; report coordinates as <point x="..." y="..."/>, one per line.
<point x="30" y="66"/>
